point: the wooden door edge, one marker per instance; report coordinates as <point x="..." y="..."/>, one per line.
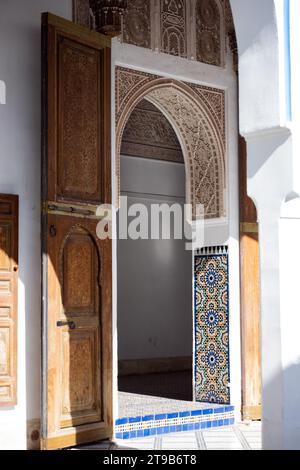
<point x="252" y="413"/>
<point x="64" y="441"/>
<point x="92" y="37"/>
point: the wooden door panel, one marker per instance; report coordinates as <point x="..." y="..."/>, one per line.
<point x="5" y="246"/>
<point x="77" y="388"/>
<point x="76" y="118"/>
<point x="80" y="281"/>
<point x="80" y="273"/>
<point x="79" y="125"/>
<point x="5" y="351"/>
<point x="8" y="298"/>
<point x="81" y="401"/>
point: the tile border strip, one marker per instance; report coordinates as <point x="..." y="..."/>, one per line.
<point x="145" y="426"/>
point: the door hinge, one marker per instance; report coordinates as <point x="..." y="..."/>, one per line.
<point x="74" y="210"/>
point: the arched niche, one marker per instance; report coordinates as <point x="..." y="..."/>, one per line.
<point x="197" y="115"/>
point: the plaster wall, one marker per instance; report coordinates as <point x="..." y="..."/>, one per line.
<point x="289" y="233"/>
<point x="295" y="89"/>
<point x="260" y="76"/>
<point x="20" y="155"/>
<point x="154" y="276"/>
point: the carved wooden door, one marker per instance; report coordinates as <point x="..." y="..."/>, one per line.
<point x="77" y="358"/>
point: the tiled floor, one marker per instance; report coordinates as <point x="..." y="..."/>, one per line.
<point x="239" y="437"/>
<point x="132" y="404"/>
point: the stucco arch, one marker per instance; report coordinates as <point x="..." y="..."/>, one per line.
<point x="199" y="124"/>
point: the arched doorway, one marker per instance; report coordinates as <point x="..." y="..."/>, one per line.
<point x="197" y="115"/>
<point x="155" y="325"/>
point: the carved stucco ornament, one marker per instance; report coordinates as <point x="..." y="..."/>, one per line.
<point x="209" y="32"/>
<point x="197" y="116"/>
<point x="201" y="30"/>
<point x="108" y="15"/>
<point x="149" y="134"/>
<point x="137" y="24"/>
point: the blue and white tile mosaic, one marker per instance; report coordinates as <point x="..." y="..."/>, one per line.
<point x="152" y="425"/>
<point x="211" y="287"/>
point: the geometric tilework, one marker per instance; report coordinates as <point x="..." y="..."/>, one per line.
<point x="165" y="423"/>
<point x="211" y="325"/>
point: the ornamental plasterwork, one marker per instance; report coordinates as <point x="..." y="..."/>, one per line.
<point x="137" y="24"/>
<point x="149" y="134"/>
<point x="199" y="30"/>
<point x="197" y="115"/>
<point x="81" y="12"/>
<point x="173" y="27"/>
<point x="209" y="32"/>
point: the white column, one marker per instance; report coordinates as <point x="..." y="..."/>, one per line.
<point x="270" y="179"/>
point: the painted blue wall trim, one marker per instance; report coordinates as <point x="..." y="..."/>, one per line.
<point x="287" y="54"/>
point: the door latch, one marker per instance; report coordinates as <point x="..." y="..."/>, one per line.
<point x="70" y="324"/>
<point x="52" y="231"/>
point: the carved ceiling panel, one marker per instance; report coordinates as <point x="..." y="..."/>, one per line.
<point x="149" y="134"/>
<point x="197" y="114"/>
<point x="199" y="30"/>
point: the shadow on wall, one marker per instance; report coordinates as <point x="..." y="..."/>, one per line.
<point x="259" y="155"/>
<point x="251" y="27"/>
<point x="287" y="436"/>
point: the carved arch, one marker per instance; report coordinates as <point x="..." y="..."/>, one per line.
<point x="197" y="116"/>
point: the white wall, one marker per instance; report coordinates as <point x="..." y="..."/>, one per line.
<point x="290" y="323"/>
<point x="268" y="82"/>
<point x="258" y="47"/>
<point x="155" y="313"/>
<point x="20" y="156"/>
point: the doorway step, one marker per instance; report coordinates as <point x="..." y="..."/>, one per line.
<point x="144" y="416"/>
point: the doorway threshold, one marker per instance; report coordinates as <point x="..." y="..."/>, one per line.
<point x="144" y="416"/>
